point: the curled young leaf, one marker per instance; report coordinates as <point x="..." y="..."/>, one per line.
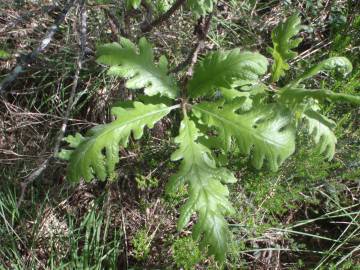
<point x="297" y="95"/>
<point x="341" y="64"/>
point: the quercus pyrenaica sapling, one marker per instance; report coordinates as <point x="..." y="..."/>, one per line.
<point x="224" y="107"/>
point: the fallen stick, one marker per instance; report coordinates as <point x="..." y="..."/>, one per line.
<point x="36" y="173"/>
<point x="29" y="58"/>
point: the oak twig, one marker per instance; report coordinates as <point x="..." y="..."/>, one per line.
<point x="201" y="30"/>
<point x="148" y="12"/>
<point x="115" y="25"/>
<point x="202" y="34"/>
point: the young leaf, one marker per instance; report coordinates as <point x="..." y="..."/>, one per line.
<point x="207" y="195"/>
<point x="341" y="64"/>
<point x="283" y="42"/>
<point x="297" y="95"/>
<point x="138" y="67"/>
<point x="222" y="69"/>
<point x="200" y="7"/>
<point x="265" y="131"/>
<point x="320" y="128"/>
<point x="97" y="153"/>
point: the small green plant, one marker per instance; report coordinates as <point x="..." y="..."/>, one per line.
<point x="225" y="109"/>
<point x="146" y="182"/>
<point x="4" y="54"/>
<point x="141" y="244"/>
<point x="161" y="6"/>
<point x="186" y="253"/>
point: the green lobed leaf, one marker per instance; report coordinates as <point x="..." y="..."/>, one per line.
<point x="73" y="141"/>
<point x="244" y="97"/>
<point x="247" y="94"/>
<point x="222" y="69"/>
<point x="265" y="131"/>
<point x="207" y="195"/>
<point x="320" y="128"/>
<point x="98" y="152"/>
<point x="341" y="64"/>
<point x="64" y="154"/>
<point x="283" y="43"/>
<point x="201" y="7"/>
<point x="137" y="65"/>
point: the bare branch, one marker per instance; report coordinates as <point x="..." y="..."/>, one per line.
<point x="148" y="12"/>
<point x="26" y="60"/>
<point x="115" y="25"/>
<point x="83" y="30"/>
<point x="202" y="34"/>
<point x="201" y="30"/>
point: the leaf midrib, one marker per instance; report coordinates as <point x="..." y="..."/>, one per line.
<point x="243" y="128"/>
<point x="89" y="143"/>
<point x="155" y="71"/>
<point x="226" y="66"/>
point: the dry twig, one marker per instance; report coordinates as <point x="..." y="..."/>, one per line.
<point x="201" y="30"/>
<point x="35" y="174"/>
<point x="23" y="62"/>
